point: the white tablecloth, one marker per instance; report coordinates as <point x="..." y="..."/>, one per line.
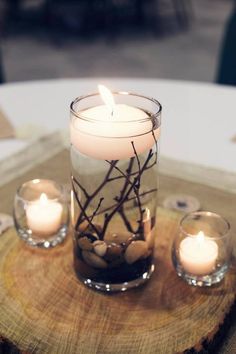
<point x="198" y="120"/>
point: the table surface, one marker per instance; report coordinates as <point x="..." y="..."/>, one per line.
<point x="198" y="120"/>
<point x="54" y="313"/>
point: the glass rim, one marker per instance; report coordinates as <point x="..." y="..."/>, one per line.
<point x="58" y="185"/>
<point x="208" y="214"/>
<point x="122" y="93"/>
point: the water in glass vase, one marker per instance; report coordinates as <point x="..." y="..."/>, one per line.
<point x="114" y="208"/>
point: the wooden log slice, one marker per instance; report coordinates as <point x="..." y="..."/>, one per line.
<point x="45" y="309"/>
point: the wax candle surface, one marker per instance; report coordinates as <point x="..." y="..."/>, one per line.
<point x="44" y="216"/>
<point x="101" y="135"/>
<point x="198" y="254"/>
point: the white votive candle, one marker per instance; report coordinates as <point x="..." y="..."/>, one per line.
<point x="98" y="138"/>
<point x="44" y="216"/>
<point x="107" y="131"/>
<point x="198" y="254"/>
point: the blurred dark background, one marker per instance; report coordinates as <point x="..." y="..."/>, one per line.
<point x="174" y="39"/>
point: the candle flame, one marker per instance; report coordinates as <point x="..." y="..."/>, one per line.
<point x="200" y="237"/>
<point x="35" y="181"/>
<point x="107" y="98"/>
<point x="43" y="199"/>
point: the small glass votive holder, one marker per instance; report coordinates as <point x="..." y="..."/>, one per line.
<point x="41" y="214"/>
<point x="201" y="250"/>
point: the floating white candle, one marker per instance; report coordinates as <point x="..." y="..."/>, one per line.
<point x="98" y="131"/>
<point x="44" y="216"/>
<point x="198" y="254"/>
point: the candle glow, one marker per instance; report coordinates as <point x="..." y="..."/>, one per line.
<point x="198" y="254"/>
<point x="44" y="216"/>
<point x="94" y="134"/>
<point x="108" y="98"/>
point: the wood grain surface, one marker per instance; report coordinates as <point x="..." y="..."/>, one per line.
<point x="45" y="309"/>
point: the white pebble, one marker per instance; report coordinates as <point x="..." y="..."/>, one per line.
<point x="100" y="248"/>
<point x="135" y="251"/>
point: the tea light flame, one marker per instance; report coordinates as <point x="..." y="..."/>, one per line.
<point x="198" y="254"/>
<point x="107" y="98"/>
<point x="43" y="200"/>
<point x="200" y="237"/>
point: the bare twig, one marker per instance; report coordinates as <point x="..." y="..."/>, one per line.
<point x="136" y="189"/>
<point x="130" y="189"/>
<point x="126" y="221"/>
<point x="130" y="185"/>
<point x="123" y="175"/>
<point x="96" y="210"/>
<point x="126" y="201"/>
<point x="83" y="211"/>
<point x="81" y="187"/>
<point x="122" y="192"/>
<point x="97" y="190"/>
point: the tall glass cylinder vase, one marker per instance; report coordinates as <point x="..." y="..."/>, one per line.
<point x="114" y="156"/>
